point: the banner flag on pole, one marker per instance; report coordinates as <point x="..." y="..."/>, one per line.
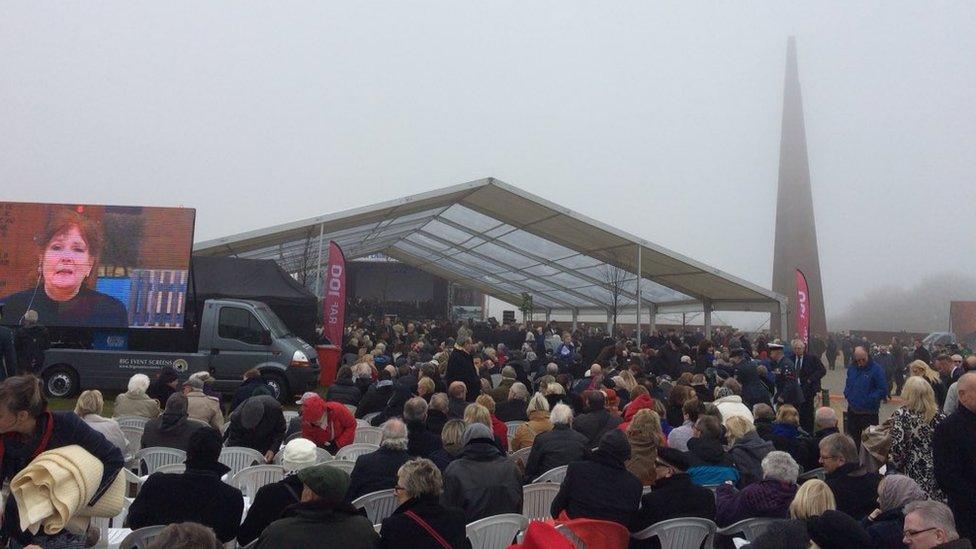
<point x="334" y="303"/>
<point x="802" y="307"/>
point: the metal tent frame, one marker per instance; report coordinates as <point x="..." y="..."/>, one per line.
<point x="503" y="241"/>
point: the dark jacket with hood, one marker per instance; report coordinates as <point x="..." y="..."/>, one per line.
<point x="270" y="501"/>
<point x="555" y="448"/>
<point x="710" y="463"/>
<point x="267" y="434"/>
<point x="601" y="487"/>
<point x="482" y="481"/>
<point x="198" y="495"/>
<point x="344" y="391"/>
<point x="747" y="454"/>
<point x="402" y="532"/>
<point x="766" y="499"/>
<point x="172" y="429"/>
<point x="318" y="523"/>
<point x="754" y="391"/>
<point x="855" y="489"/>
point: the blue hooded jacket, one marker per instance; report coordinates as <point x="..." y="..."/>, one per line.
<point x="865" y="387"/>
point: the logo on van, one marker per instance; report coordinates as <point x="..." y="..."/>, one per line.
<point x="180" y="365"/>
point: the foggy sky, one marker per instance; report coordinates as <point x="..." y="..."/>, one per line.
<point x="660" y="118"/>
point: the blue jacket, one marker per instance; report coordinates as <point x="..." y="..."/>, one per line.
<point x="865" y="387"/>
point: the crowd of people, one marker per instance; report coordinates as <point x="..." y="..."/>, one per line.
<point x="680" y="426"/>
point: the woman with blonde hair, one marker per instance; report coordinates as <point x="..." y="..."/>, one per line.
<point x="919" y="368"/>
<point x="812" y="499"/>
<point x="912" y="428"/>
<point x="89" y="408"/>
<point x="498" y="429"/>
<point x="644" y="434"/>
<point x="538" y="411"/>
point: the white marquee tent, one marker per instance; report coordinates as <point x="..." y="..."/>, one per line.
<point x="503" y="241"/>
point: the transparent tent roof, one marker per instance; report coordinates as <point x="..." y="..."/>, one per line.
<point x="504" y="242"/>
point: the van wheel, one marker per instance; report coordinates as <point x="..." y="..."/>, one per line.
<point x="279" y="386"/>
<point x="60" y="382"/>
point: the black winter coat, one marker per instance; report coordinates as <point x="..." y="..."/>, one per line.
<point x="68" y="429"/>
<point x="460" y="367"/>
<point x="482" y="481"/>
<point x="198" y="495"/>
<point x="673" y="497"/>
<point x="269" y="503"/>
<point x="266" y="435"/>
<point x="375" y="471"/>
<point x="170" y="431"/>
<point x="512" y="410"/>
<point x="954" y="452"/>
<point x="599" y="488"/>
<point x="318" y="524"/>
<point x="374" y="400"/>
<point x="754" y="391"/>
<point x="886" y="529"/>
<point x="344" y="391"/>
<point x="244" y="392"/>
<point x="435" y="421"/>
<point x="555" y="448"/>
<point x="593" y="425"/>
<point x="855" y="490"/>
<point x="811" y="371"/>
<point x="402" y="532"/>
<point x="420" y="441"/>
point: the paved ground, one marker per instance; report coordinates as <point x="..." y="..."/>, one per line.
<point x="834" y="381"/>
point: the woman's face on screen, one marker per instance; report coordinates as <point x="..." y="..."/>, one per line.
<point x="65" y="264"/>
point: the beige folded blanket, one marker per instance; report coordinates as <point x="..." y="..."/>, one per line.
<point x="53" y="491"/>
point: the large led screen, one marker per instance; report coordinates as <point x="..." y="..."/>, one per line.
<point x="95" y="266"/>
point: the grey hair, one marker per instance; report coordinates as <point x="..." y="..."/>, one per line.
<point x="415" y="409"/>
<point x="780" y="466"/>
<point x="361" y="370"/>
<point x="935" y="514"/>
<point x="537" y="403"/>
<point x="518" y="390"/>
<point x="825" y="418"/>
<point x="420" y="477"/>
<point x="138" y="384"/>
<point x="561" y="414"/>
<point x="840" y="446"/>
<point x="439" y="401"/>
<point x="394" y="434"/>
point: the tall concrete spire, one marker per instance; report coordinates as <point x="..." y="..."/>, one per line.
<point x="796" y="231"/>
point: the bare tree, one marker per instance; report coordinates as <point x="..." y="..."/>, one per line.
<point x="303" y="264"/>
<point x="613" y="278"/>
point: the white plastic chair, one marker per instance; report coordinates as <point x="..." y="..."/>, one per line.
<point x="362" y="424"/>
<point x="368" y="418"/>
<point x="155" y="456"/>
<point x="750" y="528"/>
<point x="495" y="380"/>
<point x="378" y="505"/>
<point x="141" y="538"/>
<point x="569" y="534"/>
<point x="537" y="500"/>
<point x="495" y="532"/>
<point x="238" y="458"/>
<point x="556" y="474"/>
<point x="351" y="408"/>
<point x="250" y="479"/>
<point x="324" y="455"/>
<point x="132" y="421"/>
<point x="178" y="468"/>
<point x="133" y="437"/>
<point x="351" y="452"/>
<point x="346" y="466"/>
<point x="369" y="435"/>
<point x="289" y="415"/>
<point x="684" y="532"/>
<point x="522" y="454"/>
<point x="512" y="427"/>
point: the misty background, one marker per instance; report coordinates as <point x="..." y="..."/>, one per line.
<point x="660" y="118"/>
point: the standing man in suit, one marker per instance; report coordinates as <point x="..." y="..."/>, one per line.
<point x="8" y="354"/>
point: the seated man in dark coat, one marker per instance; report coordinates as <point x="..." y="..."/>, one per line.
<point x="457" y="393"/>
<point x="437" y="413"/>
<point x="601" y="487"/>
<point x="376" y="396"/>
<point x="673" y="494"/>
<point x="420" y="441"/>
<point x="421" y="486"/>
<point x="854" y="488"/>
<point x="173" y="428"/>
<point x="344" y="390"/>
<point x="560" y="446"/>
<point x="259" y="424"/>
<point x="253" y="385"/>
<point x="514" y="408"/>
<point x="482" y="480"/>
<point x="378" y="470"/>
<point x="322" y="519"/>
<point x="198" y="495"/>
<point x="597" y="420"/>
<point x="272" y="499"/>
